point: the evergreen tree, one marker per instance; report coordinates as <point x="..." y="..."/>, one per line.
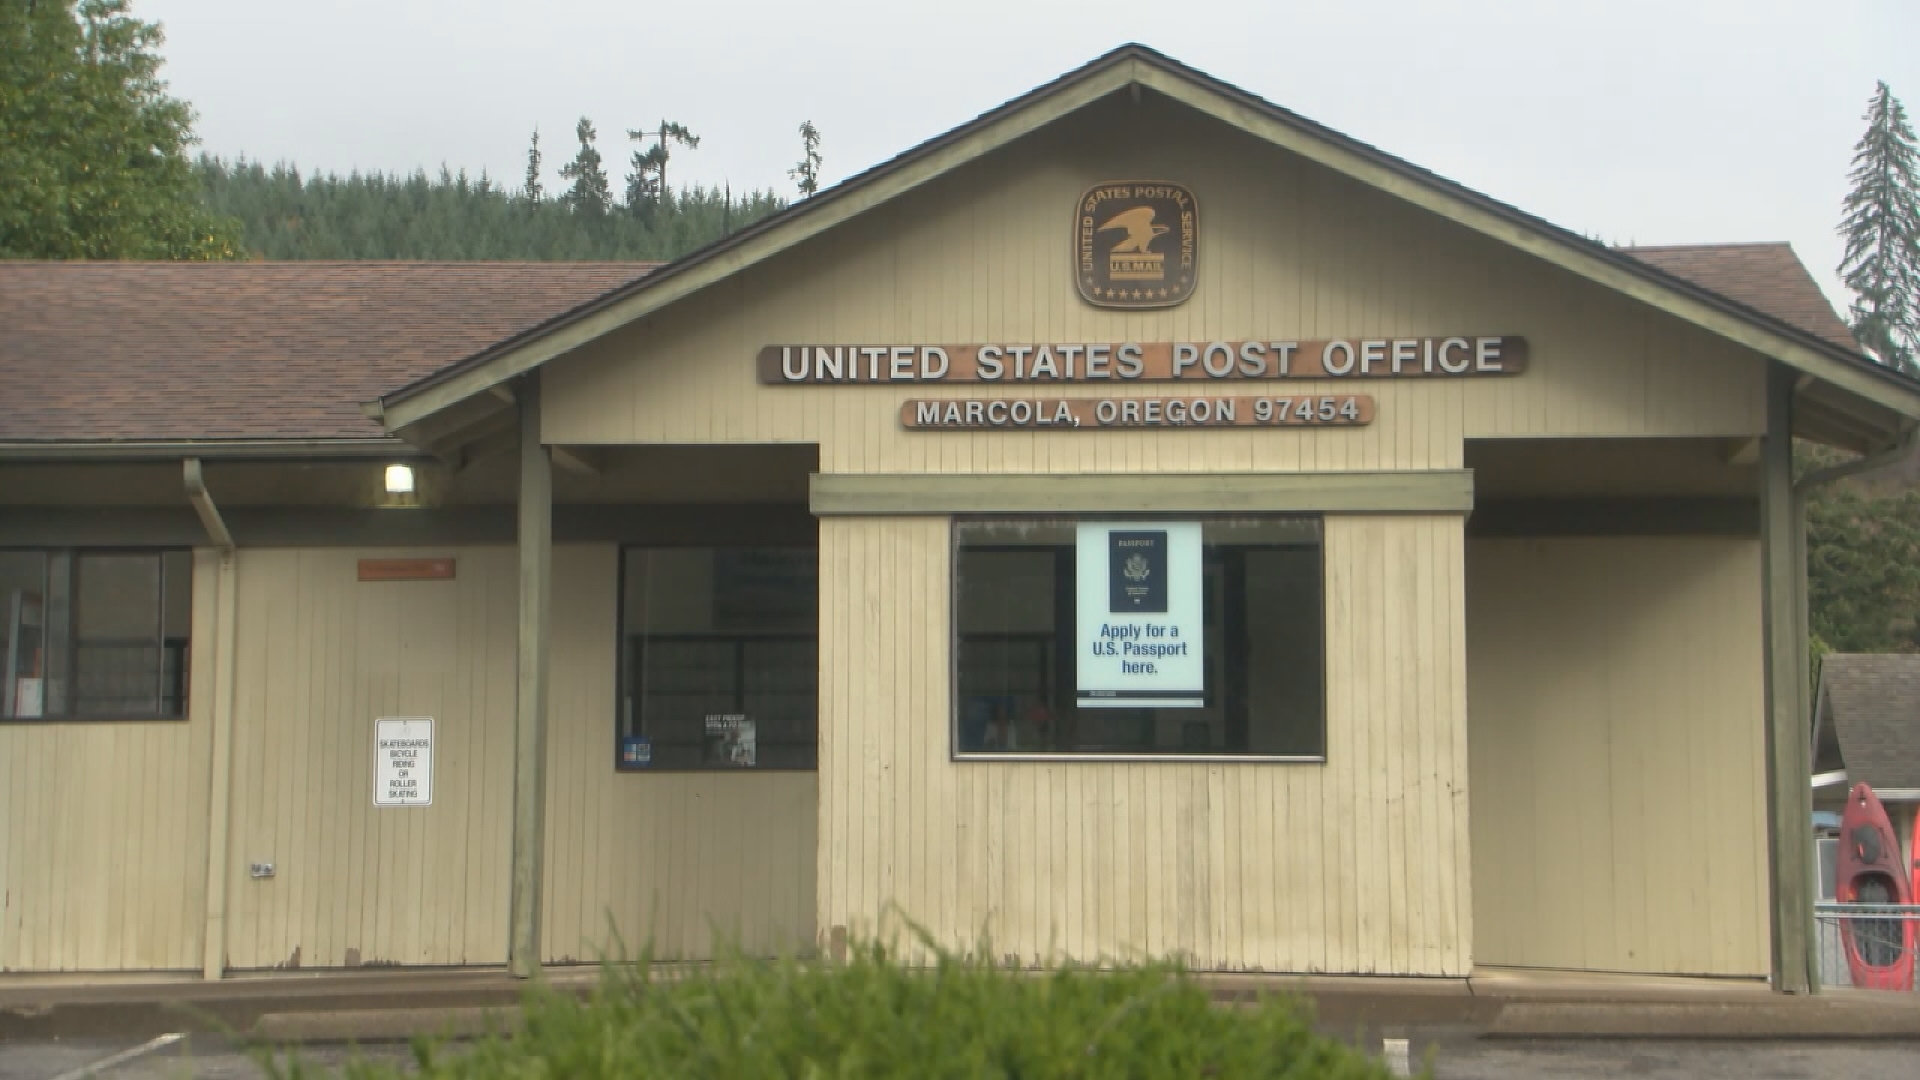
<point x="1863" y="556"/>
<point x="589" y="194"/>
<point x="1882" y="227"/>
<point x="286" y="215"/>
<point x="1863" y="569"/>
<point x="93" y="158"/>
<point x="643" y="187"/>
<point x="532" y="190"/>
<point x="647" y="183"/>
<point x="806" y="174"/>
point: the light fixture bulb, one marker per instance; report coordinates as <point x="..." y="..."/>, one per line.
<point x="399" y="479"/>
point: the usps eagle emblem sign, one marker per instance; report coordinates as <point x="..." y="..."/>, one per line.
<point x="1135" y="244"/>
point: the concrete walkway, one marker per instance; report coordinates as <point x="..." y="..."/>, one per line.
<point x="205" y="1057"/>
<point x="391" y="1004"/>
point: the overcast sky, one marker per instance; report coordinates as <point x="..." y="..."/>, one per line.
<point x="1646" y="121"/>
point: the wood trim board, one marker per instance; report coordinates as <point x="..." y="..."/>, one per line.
<point x="1627" y="516"/>
<point x="1440" y="491"/>
<point x="338" y="527"/>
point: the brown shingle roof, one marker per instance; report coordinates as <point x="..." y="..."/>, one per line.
<point x="251" y="350"/>
<point x="1767" y="277"/>
<point x="1872" y="701"/>
<point x="160" y="351"/>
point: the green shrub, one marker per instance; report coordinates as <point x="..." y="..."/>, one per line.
<point x="872" y="1016"/>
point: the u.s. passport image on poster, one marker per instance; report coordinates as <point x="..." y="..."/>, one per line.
<point x="1137" y="571"/>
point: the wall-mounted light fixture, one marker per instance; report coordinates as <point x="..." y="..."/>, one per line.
<point x="399" y="479"/>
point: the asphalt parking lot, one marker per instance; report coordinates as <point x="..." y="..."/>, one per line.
<point x="1578" y="1059"/>
<point x="1453" y="1057"/>
<point x="199" y="1057"/>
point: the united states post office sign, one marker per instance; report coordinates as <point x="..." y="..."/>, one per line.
<point x="1120" y="362"/>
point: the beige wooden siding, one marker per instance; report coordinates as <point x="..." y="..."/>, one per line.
<point x="1358" y="865"/>
<point x="321" y="655"/>
<point x="1287" y="251"/>
<point x="103" y="830"/>
<point x="662" y="857"/>
<point x="1616" y="735"/>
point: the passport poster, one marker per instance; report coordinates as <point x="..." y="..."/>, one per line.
<point x="1140" y="634"/>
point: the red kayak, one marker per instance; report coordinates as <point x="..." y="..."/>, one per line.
<point x="1871" y="871"/>
<point x="1914" y="856"/>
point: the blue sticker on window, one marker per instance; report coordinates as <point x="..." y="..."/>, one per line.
<point x="636" y="752"/>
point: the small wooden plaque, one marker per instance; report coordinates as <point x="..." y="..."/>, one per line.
<point x="405" y="569"/>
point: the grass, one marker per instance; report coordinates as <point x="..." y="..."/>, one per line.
<point x="872" y="1016"/>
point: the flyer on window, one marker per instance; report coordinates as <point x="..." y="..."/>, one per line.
<point x="730" y="740"/>
<point x="1139" y="617"/>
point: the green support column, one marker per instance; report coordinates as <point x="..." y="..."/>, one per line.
<point x="530" y="716"/>
<point x="1789" y="769"/>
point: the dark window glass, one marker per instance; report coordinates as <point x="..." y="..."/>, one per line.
<point x="1015" y="639"/>
<point x="95" y="635"/>
<point x="719" y="654"/>
<point x="24" y="644"/>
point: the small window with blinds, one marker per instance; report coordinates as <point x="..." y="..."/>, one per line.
<point x="719" y="658"/>
<point x="95" y="635"/>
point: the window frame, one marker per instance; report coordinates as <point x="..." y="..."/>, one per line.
<point x="1826" y="883"/>
<point x="76" y="553"/>
<point x="954" y="752"/>
<point x="621" y="673"/>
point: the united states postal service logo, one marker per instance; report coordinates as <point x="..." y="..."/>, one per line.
<point x="1136" y="244"/>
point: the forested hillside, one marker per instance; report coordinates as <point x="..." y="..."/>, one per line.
<point x="1863" y="559"/>
<point x="285" y="215"/>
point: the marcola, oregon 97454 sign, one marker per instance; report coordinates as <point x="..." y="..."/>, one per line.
<point x="1092" y="414"/>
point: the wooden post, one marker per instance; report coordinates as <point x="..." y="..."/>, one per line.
<point x="1803" y="749"/>
<point x="530" y="718"/>
<point x="1789" y="769"/>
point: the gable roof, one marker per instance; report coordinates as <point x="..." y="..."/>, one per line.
<point x="1869" y="703"/>
<point x="120" y="353"/>
<point x="1894" y="398"/>
<point x="1767" y="277"/>
<point x="164" y="351"/>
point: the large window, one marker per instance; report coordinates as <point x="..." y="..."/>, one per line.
<point x="94" y="635"/>
<point x="719" y="658"/>
<point x="1150" y="638"/>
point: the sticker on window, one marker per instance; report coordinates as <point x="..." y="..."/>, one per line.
<point x="730" y="740"/>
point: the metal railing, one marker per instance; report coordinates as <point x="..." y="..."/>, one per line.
<point x="1867" y="945"/>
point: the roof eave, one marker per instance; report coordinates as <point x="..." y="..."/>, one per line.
<point x="140" y="450"/>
